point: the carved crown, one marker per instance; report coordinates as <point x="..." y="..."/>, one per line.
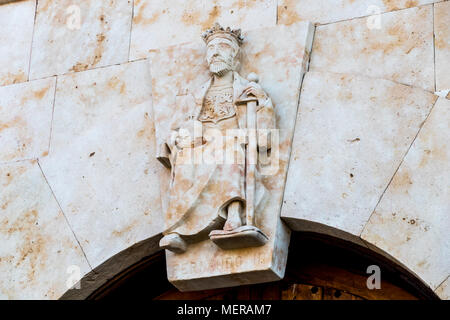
<point x="218" y="31"/>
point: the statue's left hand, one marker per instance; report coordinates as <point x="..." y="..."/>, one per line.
<point x="256" y="90"/>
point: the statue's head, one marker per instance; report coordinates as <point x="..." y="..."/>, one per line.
<point x="222" y="49"/>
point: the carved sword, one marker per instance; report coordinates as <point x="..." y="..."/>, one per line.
<point x="250" y="153"/>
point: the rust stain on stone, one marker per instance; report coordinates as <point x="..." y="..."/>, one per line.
<point x="113" y="82"/>
<point x="97" y="56"/>
<point x="32" y="250"/>
<point x="16" y="122"/>
<point x="212" y="17"/>
<point x="79" y="67"/>
<point x="242" y="4"/>
<point x="8" y="176"/>
<point x="43" y="6"/>
<point x="141" y="133"/>
<point x="12" y="78"/>
<point x="40" y="93"/>
<point x="437" y="154"/>
<point x="422" y="263"/>
<point x="140" y="17"/>
<point x="125" y="230"/>
<point x="391" y="4"/>
<point x="440" y="42"/>
<point x="401" y="181"/>
<point x="411" y="3"/>
<point x="98" y="52"/>
<point x="287" y="13"/>
<point x="397" y="38"/>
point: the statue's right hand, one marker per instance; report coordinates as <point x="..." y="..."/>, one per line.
<point x="182" y="142"/>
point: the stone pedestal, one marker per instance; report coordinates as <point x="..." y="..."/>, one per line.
<point x="205" y="266"/>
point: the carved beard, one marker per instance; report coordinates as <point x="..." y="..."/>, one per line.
<point x="220" y="68"/>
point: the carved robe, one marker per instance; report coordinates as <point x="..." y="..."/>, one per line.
<point x="200" y="193"/>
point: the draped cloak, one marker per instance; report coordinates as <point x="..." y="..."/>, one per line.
<point x="200" y="192"/>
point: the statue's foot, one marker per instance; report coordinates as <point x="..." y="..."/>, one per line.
<point x="231" y="225"/>
<point x="234" y="216"/>
<point x="242" y="237"/>
<point x="173" y="242"/>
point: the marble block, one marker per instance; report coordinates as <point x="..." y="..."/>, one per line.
<point x="442" y="45"/>
<point x="102" y="164"/>
<point x="39" y="252"/>
<point x="400" y="50"/>
<point x="351" y="134"/>
<point x="16" y="33"/>
<point x="279" y="56"/>
<point x="158" y="24"/>
<point x="328" y="11"/>
<point x="443" y="291"/>
<point x="411" y="222"/>
<point x="25" y="119"/>
<point x="75" y="36"/>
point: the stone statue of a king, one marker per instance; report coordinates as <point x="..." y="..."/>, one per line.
<point x="218" y="199"/>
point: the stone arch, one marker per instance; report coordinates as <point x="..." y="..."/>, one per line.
<point x="104" y="282"/>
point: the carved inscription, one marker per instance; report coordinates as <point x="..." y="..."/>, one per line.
<point x="219" y="264"/>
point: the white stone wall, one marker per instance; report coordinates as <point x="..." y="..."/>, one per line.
<point x="78" y="175"/>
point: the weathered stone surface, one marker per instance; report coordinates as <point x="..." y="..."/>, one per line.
<point x="326" y="11"/>
<point x="58" y="49"/>
<point x="38" y="248"/>
<point x="102" y="164"/>
<point x="25" y="119"/>
<point x="442" y="45"/>
<point x="70" y="37"/>
<point x="411" y="222"/>
<point x="401" y="50"/>
<point x="158" y="24"/>
<point x="443" y="291"/>
<point x="8" y="1"/>
<point x="16" y="33"/>
<point x="278" y="55"/>
<point x="116" y="264"/>
<point x="350" y="137"/>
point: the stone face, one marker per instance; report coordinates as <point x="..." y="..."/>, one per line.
<point x="25" y="119"/>
<point x="278" y="55"/>
<point x="351" y="134"/>
<point x="102" y="164"/>
<point x="412" y="221"/>
<point x="442" y="45"/>
<point x="326" y="11"/>
<point x="72" y="37"/>
<point x="401" y="50"/>
<point x="158" y="24"/>
<point x="39" y="251"/>
<point x="443" y="291"/>
<point x="16" y="32"/>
